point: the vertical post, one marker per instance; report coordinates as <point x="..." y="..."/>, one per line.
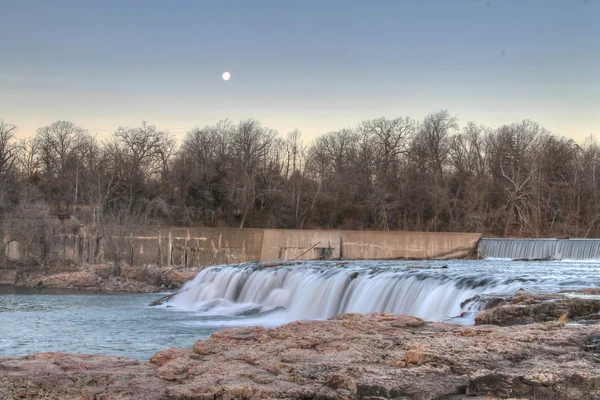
<point x="170" y="250"/>
<point x="76" y="186"/>
<point x="159" y="249"/>
<point x="131" y="249"/>
<point x="186" y="252"/>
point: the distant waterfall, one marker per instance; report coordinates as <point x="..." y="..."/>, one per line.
<point x="566" y="249"/>
<point x="313" y="290"/>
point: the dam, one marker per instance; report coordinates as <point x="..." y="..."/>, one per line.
<point x="540" y="249"/>
<point x="204" y="246"/>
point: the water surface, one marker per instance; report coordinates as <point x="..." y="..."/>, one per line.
<point x="33" y="320"/>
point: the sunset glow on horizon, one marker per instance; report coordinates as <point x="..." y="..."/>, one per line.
<point x="313" y="66"/>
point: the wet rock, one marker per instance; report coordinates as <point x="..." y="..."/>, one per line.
<point x="484" y="302"/>
<point x="110" y="278"/>
<point x="529" y="308"/>
<point x="426" y="267"/>
<point x="588" y="291"/>
<point x="274" y="264"/>
<point x="351" y="356"/>
<point x="592" y="343"/>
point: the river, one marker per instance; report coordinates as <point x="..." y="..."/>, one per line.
<point x="34" y="320"/>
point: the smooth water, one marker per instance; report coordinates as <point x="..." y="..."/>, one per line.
<point x="250" y="294"/>
<point x="565" y="249"/>
<point x="33" y="320"/>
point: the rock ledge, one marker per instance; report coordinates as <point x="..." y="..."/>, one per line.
<point x="374" y="356"/>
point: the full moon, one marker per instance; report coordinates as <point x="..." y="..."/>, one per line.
<point x="226" y="76"/>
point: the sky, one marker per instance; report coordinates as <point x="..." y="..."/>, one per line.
<point x="314" y="65"/>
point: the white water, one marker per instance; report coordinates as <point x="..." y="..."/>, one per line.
<point x="566" y="249"/>
<point x="319" y="290"/>
<point x="225" y="296"/>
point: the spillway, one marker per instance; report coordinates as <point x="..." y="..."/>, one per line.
<point x="565" y="249"/>
<point x="318" y="290"/>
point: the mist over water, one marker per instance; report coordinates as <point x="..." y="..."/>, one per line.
<point x="33" y="320"/>
<point x="320" y="290"/>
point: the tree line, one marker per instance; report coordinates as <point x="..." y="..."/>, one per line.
<point x="384" y="174"/>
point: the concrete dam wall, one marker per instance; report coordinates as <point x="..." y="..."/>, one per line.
<point x="198" y="246"/>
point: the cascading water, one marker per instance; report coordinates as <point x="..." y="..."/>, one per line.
<point x="254" y="294"/>
<point x="318" y="290"/>
<point x="566" y="249"/>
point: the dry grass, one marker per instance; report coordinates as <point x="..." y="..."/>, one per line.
<point x="563" y="318"/>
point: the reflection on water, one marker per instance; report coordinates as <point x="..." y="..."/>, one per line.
<point x="33" y="320"/>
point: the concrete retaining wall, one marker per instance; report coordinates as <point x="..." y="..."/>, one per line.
<point x="199" y="246"/>
<point x="164" y="246"/>
<point x="288" y="244"/>
<point x="358" y="245"/>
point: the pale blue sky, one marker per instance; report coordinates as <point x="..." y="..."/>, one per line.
<point x="313" y="65"/>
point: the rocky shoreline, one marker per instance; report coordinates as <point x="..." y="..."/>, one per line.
<point x="103" y="277"/>
<point x="582" y="306"/>
<point x="351" y="356"/>
<point x="525" y="346"/>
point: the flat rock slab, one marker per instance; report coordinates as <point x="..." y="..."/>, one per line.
<point x="527" y="308"/>
<point x="78" y="376"/>
<point x="108" y="278"/>
<point x="351" y="356"/>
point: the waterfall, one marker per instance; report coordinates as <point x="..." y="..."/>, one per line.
<point x="566" y="249"/>
<point x="318" y="290"/>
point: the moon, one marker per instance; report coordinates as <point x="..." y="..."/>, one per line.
<point x="226" y="76"/>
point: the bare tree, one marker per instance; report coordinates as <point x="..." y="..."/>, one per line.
<point x="387" y="141"/>
<point x="386" y="173"/>
<point x="61" y="147"/>
<point x="138" y="157"/>
<point x="200" y="172"/>
<point x="250" y="146"/>
<point x="8" y="146"/>
<point x="511" y="148"/>
<point x="333" y="161"/>
<point x="9" y="150"/>
<point x="389" y="138"/>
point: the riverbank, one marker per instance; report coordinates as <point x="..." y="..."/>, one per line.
<point x="536" y="334"/>
<point x="351" y="356"/>
<point x="101" y="278"/>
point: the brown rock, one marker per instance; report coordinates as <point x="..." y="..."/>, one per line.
<point x="375" y="356"/>
<point x="529" y="308"/>
<point x="76" y="280"/>
<point x="107" y="278"/>
<point x="69" y="376"/>
<point x="166" y="355"/>
<point x="178" y="278"/>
